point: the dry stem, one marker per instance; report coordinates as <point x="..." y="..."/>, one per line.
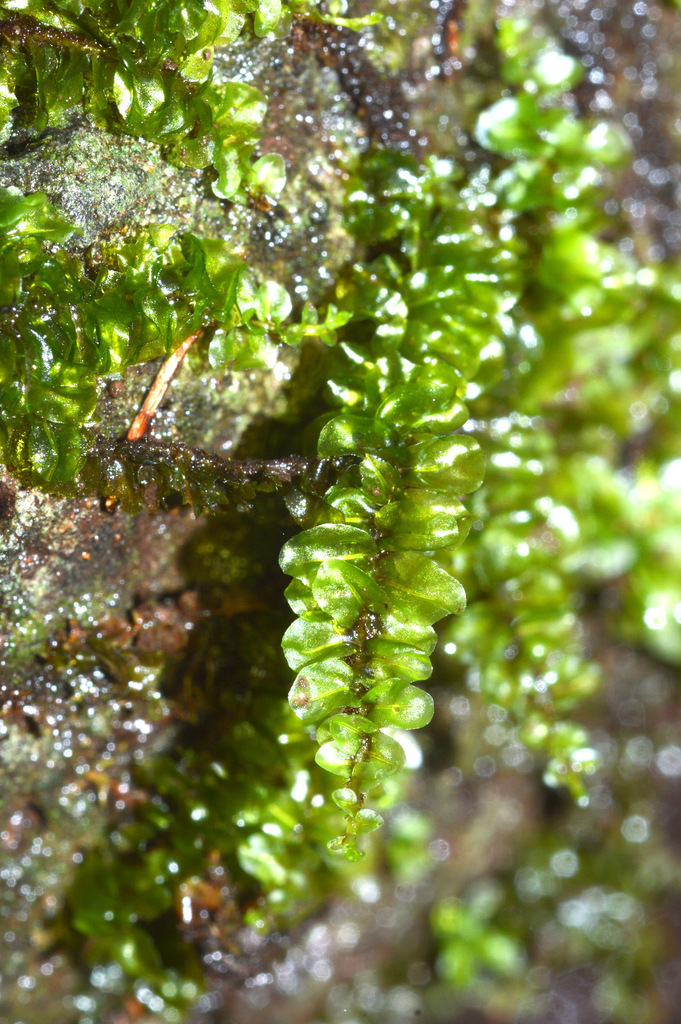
<point x="158" y="389"/>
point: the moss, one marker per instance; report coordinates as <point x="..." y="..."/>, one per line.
<point x="461" y="311"/>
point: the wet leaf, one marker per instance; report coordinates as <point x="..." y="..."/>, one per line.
<point x="399" y="705"/>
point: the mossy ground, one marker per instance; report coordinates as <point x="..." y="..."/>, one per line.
<point x="144" y="653"/>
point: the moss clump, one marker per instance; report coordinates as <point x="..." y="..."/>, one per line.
<point x="435" y="356"/>
<point x="366" y="588"/>
<point x="68" y="328"/>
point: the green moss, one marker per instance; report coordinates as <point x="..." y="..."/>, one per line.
<point x="69" y="326"/>
<point x="442" y="302"/>
<point x="366" y="588"/>
<point x="145" y="71"/>
<point x="485" y="320"/>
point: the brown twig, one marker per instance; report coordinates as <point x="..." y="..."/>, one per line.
<point x="158" y="389"/>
